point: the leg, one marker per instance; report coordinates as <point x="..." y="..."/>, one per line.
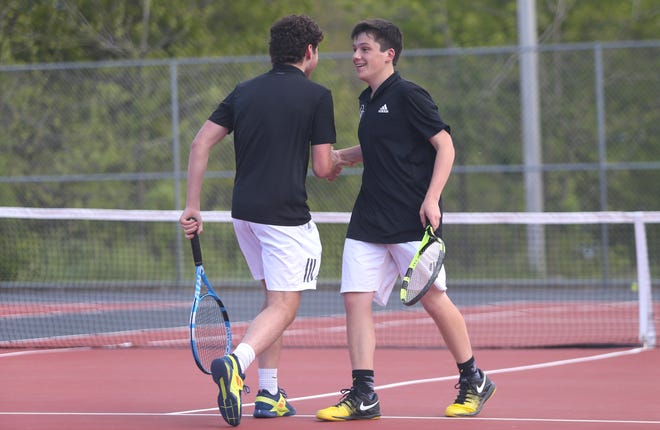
<point x="450" y="322"/>
<point x="264" y="334"/>
<point x="271" y="399"/>
<point x="278" y="256"/>
<point x="473" y="391"/>
<point x="366" y="269"/>
<point x="264" y="337"/>
<point x="358" y="402"/>
<point x="282" y="256"/>
<point x="360" y="330"/>
<point x="269" y="359"/>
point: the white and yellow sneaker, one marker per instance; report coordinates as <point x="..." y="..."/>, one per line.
<point x="352" y="406"/>
<point x="471" y="396"/>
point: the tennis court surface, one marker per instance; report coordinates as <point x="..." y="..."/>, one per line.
<point x="138" y="388"/>
<point x="94" y="312"/>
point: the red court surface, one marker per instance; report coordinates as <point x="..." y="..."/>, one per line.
<point x="161" y="388"/>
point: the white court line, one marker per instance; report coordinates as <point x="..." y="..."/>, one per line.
<point x="389" y="417"/>
<point x="452" y="377"/>
<point x="42" y="351"/>
<point x="528" y="367"/>
<point x="553" y="420"/>
<point x="490" y="372"/>
<point x="200" y="412"/>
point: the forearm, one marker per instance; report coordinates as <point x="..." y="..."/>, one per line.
<point x="206" y="138"/>
<point x="197" y="164"/>
<point x="350" y="156"/>
<point x="323" y="161"/>
<point x="327" y="162"/>
<point x="444" y="160"/>
<point x="441" y="172"/>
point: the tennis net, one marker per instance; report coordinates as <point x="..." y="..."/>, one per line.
<point x="95" y="277"/>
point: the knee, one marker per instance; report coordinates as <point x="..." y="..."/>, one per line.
<point x="358" y="301"/>
<point x="286" y="303"/>
<point x="435" y="299"/>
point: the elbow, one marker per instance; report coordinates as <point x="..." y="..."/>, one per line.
<point x="322" y="172"/>
<point x="323" y="167"/>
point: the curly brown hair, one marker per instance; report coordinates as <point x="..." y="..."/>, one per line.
<point x="290" y="36"/>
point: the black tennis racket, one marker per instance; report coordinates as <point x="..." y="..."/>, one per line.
<point x="210" y="330"/>
<point x="424" y="268"/>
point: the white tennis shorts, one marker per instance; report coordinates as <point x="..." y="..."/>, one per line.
<point x="376" y="267"/>
<point x="288" y="258"/>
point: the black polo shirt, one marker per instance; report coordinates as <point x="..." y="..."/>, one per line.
<point x="275" y="117"/>
<point x="395" y="127"/>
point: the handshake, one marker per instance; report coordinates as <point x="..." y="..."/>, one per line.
<point x="341" y="158"/>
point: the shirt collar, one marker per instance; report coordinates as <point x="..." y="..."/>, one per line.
<point x="286" y="68"/>
<point x="394" y="77"/>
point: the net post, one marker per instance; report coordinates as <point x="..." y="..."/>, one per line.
<point x="646" y="326"/>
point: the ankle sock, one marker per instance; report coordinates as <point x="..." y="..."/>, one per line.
<point x="363" y="380"/>
<point x="244" y="355"/>
<point x="469" y="369"/>
<point x="268" y="380"/>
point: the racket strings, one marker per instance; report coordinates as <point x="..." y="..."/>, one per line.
<point x="426" y="268"/>
<point x="210" y="331"/>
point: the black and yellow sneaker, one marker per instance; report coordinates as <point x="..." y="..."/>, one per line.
<point x="268" y="405"/>
<point x="353" y="405"/>
<point x="227" y="375"/>
<point x="472" y="394"/>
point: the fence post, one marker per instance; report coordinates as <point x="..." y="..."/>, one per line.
<point x="174" y="96"/>
<point x="602" y="156"/>
<point x="531" y="133"/>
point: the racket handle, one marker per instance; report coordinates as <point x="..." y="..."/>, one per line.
<point x="196" y="248"/>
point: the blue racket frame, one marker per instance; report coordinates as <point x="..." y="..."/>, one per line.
<point x="201" y="278"/>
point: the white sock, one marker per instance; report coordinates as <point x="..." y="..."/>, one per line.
<point x="268" y="380"/>
<point x="245" y="355"/>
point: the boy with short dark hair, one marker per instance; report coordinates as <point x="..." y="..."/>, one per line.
<point x="408" y="154"/>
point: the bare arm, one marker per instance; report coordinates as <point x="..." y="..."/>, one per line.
<point x="324" y="164"/>
<point x="444" y="160"/>
<point x="327" y="162"/>
<point x="349" y="156"/>
<point x="207" y="136"/>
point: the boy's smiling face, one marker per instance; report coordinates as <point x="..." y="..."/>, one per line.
<point x="371" y="65"/>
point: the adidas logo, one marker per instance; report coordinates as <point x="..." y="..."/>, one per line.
<point x="383" y="109"/>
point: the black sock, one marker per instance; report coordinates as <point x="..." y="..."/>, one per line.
<point x="469" y="369"/>
<point x="363" y="380"/>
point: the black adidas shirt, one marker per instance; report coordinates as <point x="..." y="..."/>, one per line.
<point x="275" y="117"/>
<point x="394" y="132"/>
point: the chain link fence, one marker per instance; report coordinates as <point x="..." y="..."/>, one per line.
<point x="117" y="134"/>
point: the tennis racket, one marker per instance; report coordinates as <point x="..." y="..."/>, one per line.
<point x="210" y="330"/>
<point x="424" y="268"/>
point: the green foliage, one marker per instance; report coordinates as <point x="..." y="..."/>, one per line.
<point x="73" y="30"/>
<point x="599" y="20"/>
<point x="100" y="135"/>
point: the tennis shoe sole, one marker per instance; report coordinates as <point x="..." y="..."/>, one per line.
<point x="230" y="382"/>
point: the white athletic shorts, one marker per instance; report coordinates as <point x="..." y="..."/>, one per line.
<point x="286" y="257"/>
<point x="376" y="267"/>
